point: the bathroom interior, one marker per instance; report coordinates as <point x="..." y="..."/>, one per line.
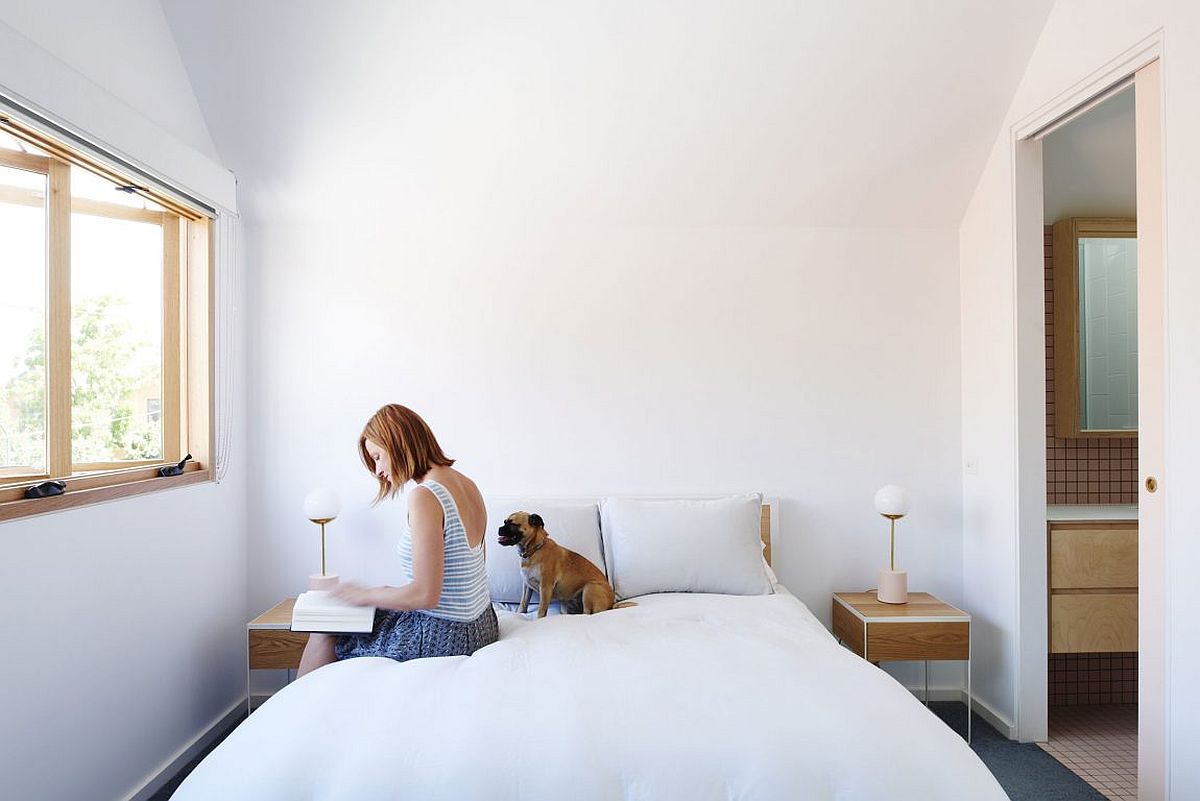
<point x="1089" y="185"/>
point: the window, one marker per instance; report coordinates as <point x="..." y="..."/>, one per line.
<point x="153" y="409"/>
<point x="104" y="318"/>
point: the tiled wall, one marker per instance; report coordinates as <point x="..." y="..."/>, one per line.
<point x="1109" y="678"/>
<point x="1095" y="470"/>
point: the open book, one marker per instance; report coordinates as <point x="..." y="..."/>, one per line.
<point x="319" y="610"/>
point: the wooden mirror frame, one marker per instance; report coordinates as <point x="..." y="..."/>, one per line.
<point x="1065" y="255"/>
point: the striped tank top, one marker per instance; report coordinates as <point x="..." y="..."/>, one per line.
<point x="464" y="576"/>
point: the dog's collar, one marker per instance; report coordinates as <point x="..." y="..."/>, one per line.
<point x="526" y="554"/>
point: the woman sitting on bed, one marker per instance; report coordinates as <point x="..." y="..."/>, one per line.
<point x="444" y="609"/>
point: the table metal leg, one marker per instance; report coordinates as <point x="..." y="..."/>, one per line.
<point x="926" y="682"/>
<point x="968" y="692"/>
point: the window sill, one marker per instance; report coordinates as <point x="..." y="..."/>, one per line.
<point x="85" y="491"/>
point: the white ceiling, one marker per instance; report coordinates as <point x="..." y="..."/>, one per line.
<point x="1089" y="165"/>
<point x="671" y="112"/>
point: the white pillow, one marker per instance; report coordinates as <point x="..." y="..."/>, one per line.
<point x="571" y="524"/>
<point x="684" y="545"/>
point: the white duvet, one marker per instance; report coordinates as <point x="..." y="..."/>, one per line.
<point x="681" y="697"/>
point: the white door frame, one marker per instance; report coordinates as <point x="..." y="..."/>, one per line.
<point x="1028" y="277"/>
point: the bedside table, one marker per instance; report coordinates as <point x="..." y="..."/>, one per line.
<point x="925" y="629"/>
<point x="271" y="644"/>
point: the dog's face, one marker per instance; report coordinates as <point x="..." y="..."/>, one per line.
<point x="520" y="527"/>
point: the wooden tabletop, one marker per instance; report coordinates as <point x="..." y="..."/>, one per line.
<point x="278" y="616"/>
<point x="920" y="605"/>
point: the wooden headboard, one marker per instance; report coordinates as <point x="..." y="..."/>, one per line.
<point x="764" y="531"/>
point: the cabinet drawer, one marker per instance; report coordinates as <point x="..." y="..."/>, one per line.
<point x="276" y="648"/>
<point x="896" y="641"/>
<point x="1093" y="622"/>
<point x="1093" y="558"/>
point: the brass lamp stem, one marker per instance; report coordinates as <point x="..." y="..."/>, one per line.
<point x="321" y="521"/>
<point x="893" y="545"/>
<point x="893" y="518"/>
<point x="323" y="545"/>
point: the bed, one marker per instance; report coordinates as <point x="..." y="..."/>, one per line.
<point x="687" y="695"/>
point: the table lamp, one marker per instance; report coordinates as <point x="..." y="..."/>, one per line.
<point x="892" y="502"/>
<point x="321" y="506"/>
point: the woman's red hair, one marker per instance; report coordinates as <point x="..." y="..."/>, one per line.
<point x="409" y="443"/>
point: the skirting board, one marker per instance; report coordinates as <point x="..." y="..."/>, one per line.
<point x="189" y="752"/>
<point x="1005" y="727"/>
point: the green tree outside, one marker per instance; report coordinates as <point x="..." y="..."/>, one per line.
<point x="104" y="425"/>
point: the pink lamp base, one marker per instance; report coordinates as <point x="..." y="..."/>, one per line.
<point x="326" y="582"/>
<point x="893" y="587"/>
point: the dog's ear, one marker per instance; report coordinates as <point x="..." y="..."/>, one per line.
<point x="536" y="521"/>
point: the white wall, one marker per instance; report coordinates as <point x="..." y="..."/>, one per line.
<point x="643" y="249"/>
<point x="988" y="434"/>
<point x="1081" y="36"/>
<point x="810" y="364"/>
<point x="124" y="622"/>
<point x="125" y="631"/>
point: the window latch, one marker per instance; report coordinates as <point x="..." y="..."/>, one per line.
<point x="174" y="469"/>
<point x="47" y="489"/>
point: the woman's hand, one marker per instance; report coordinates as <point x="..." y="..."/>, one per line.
<point x="355" y="594"/>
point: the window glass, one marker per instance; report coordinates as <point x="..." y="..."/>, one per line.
<point x="10" y="142"/>
<point x="86" y="185"/>
<point x="23" y="430"/>
<point x="116" y="332"/>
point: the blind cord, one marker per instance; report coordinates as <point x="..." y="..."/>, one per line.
<point x="227" y="274"/>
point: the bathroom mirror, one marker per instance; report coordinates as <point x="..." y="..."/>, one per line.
<point x="1095" y="327"/>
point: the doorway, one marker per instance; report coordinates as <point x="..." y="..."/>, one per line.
<point x="1041" y="473"/>
<point x="1089" y="191"/>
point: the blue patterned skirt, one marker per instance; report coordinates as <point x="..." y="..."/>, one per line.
<point x="414" y="634"/>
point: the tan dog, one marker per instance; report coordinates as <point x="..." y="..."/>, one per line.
<point x="557" y="573"/>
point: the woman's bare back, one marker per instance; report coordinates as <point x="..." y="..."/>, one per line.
<point x="467" y="498"/>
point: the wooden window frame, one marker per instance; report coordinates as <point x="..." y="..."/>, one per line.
<point x="187" y="335"/>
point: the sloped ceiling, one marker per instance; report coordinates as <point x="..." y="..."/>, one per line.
<point x="126" y="48"/>
<point x="670" y="112"/>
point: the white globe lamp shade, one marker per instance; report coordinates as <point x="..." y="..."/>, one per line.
<point x="891" y="501"/>
<point x="322" y="504"/>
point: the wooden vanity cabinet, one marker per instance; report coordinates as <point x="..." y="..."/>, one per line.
<point x="1093" y="586"/>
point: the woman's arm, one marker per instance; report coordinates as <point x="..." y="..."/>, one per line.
<point x="426" y="521"/>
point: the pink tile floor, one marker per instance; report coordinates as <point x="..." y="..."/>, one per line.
<point x="1099" y="744"/>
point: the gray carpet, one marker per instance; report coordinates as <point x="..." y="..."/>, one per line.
<point x="167" y="790"/>
<point x="1026" y="772"/>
